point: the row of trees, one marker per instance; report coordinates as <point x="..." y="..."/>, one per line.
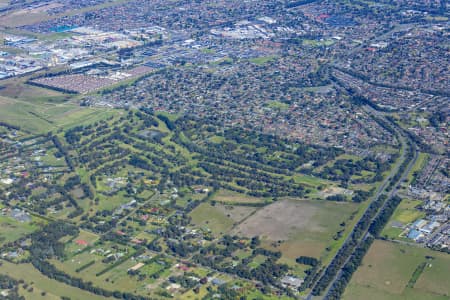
<point x="12" y="286"/>
<point x="45" y="244"/>
<point x="349" y="268"/>
<point x="347" y="248"/>
<point x="373" y="221"/>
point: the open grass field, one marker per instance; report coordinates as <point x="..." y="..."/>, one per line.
<point x="22" y="114"/>
<point x="39" y="110"/>
<point x="230" y="197"/>
<point x="117" y="278"/>
<point x="114" y="279"/>
<point x="435" y="278"/>
<point x="11" y="230"/>
<point x="16" y="89"/>
<point x="53" y="289"/>
<point x="112" y="202"/>
<point x="359" y="292"/>
<point x="76" y="115"/>
<point x="210" y="217"/>
<point x="405" y="213"/>
<point x="42" y="117"/>
<point x="388" y="267"/>
<point x="236" y="213"/>
<point x="304" y="227"/>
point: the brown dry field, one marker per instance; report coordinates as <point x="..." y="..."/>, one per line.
<point x="24" y="17"/>
<point x="297" y="226"/>
<point x="279" y="220"/>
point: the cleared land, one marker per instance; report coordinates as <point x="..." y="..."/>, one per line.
<point x="43" y="117"/>
<point x="81" y="83"/>
<point x="388" y="267"/>
<point x="304" y="227"/>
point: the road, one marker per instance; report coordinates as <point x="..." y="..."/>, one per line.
<point x="367" y="234"/>
<point x="390" y="194"/>
<point x="381" y="189"/>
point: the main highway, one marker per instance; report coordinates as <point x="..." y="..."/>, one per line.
<point x="382" y="189"/>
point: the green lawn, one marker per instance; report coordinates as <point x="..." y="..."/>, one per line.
<point x="116" y="278"/>
<point x="435" y="276"/>
<point x="112" y="202"/>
